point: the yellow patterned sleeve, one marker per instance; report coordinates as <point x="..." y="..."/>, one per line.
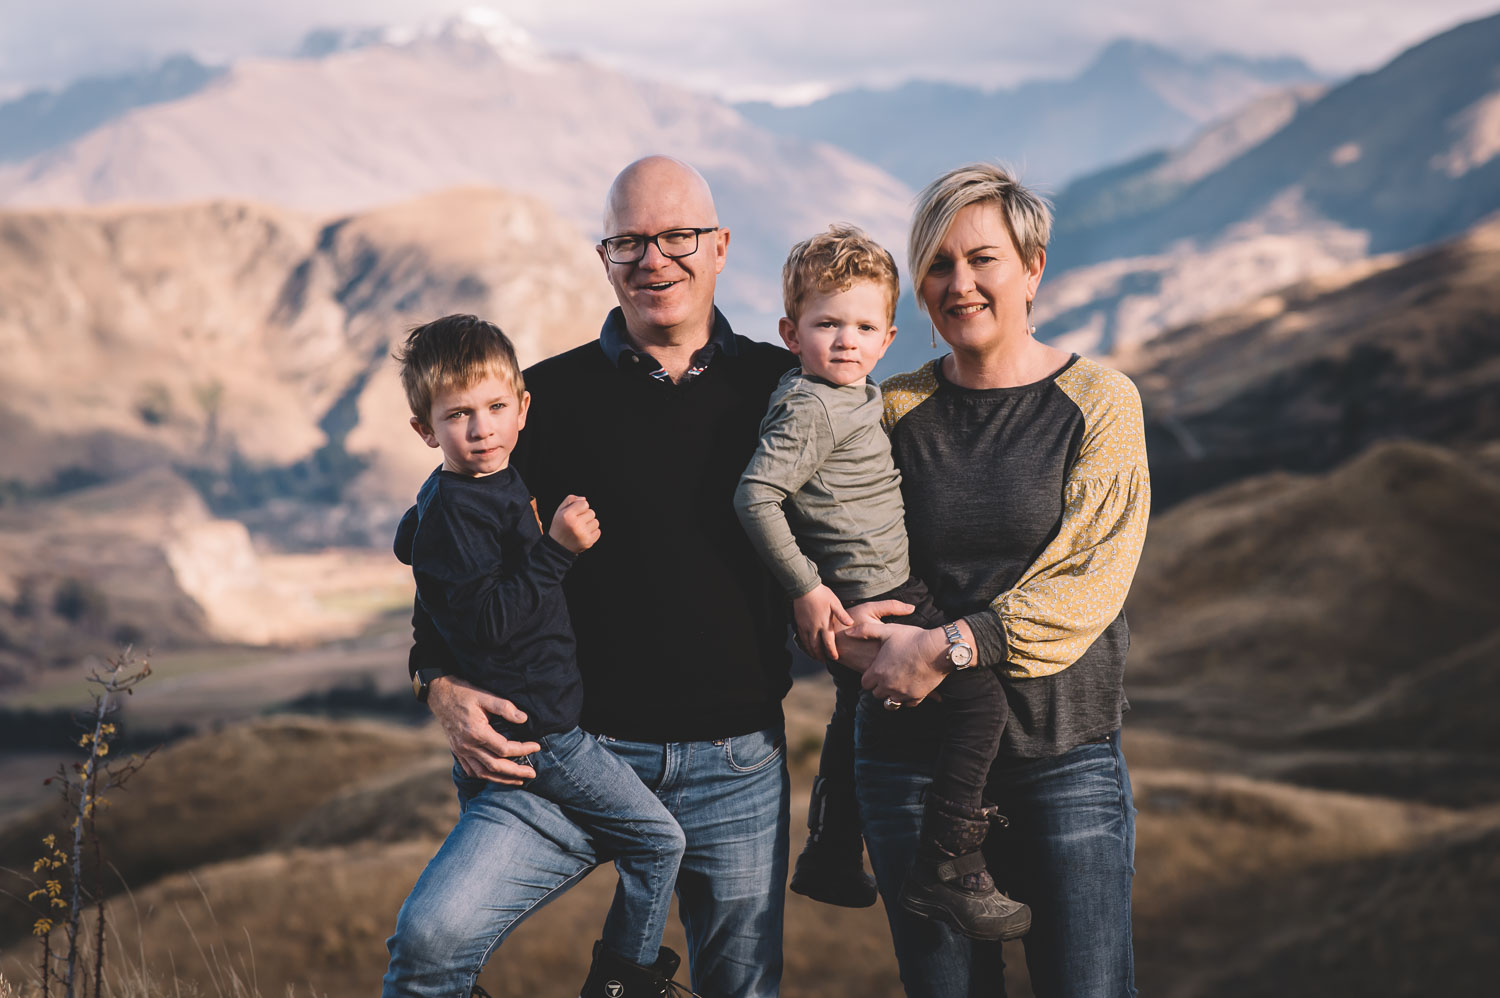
<point x="1076" y="587"/>
<point x="904" y="392"/>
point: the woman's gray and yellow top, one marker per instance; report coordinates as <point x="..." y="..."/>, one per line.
<point x="1026" y="509"/>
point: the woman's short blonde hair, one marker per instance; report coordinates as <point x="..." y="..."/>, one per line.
<point x="1028" y="216"/>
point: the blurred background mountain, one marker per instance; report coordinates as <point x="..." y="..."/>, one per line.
<point x="1133" y="98"/>
<point x="205" y="264"/>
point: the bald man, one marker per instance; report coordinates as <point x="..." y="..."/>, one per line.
<point x="681" y="631"/>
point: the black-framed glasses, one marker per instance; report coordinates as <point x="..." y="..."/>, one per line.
<point x="672" y="243"/>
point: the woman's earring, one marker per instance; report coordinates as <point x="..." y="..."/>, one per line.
<point x="934" y="333"/>
<point x="1030" y="329"/>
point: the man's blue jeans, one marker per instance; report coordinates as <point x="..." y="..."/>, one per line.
<point x="730" y="797"/>
<point x="1069" y="853"/>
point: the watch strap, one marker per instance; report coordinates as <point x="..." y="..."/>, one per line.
<point x="421" y="682"/>
<point x="956" y="640"/>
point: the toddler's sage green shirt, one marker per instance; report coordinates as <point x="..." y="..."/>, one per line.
<point x="821" y="498"/>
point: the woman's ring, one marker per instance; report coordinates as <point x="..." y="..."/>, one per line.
<point x="892" y="704"/>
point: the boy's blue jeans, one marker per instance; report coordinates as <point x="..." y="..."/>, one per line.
<point x="437" y="941"/>
<point x="513" y="851"/>
<point x="1068" y="853"/>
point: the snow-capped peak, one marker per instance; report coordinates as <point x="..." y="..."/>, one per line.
<point x="481" y="24"/>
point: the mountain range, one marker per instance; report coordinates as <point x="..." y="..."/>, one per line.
<point x="386" y="121"/>
<point x="45" y="119"/>
<point x="1134" y="97"/>
<point x="1390" y="160"/>
<point x="179" y="377"/>
<point x="252" y="344"/>
<point x="1310" y="376"/>
<point x="1284" y="179"/>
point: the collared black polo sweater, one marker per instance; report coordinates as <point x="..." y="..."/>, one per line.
<point x="681" y="630"/>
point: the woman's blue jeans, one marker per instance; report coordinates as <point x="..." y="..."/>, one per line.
<point x="1069" y="853"/>
<point x="513" y="851"/>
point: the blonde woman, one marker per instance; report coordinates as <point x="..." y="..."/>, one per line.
<point x="1026" y="490"/>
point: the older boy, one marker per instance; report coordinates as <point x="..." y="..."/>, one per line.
<point x="491" y="583"/>
<point x="821" y="501"/>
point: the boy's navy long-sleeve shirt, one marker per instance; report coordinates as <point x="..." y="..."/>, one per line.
<point x="681" y="628"/>
<point x="492" y="584"/>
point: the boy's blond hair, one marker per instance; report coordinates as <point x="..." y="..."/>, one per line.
<point x="454" y="352"/>
<point x="834" y="261"/>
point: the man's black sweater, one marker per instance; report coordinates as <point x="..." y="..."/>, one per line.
<point x="681" y="630"/>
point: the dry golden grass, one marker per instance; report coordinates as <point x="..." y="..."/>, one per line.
<point x="295" y="841"/>
<point x="286" y="847"/>
<point x="220" y="796"/>
<point x="1324" y="589"/>
<point x="1413" y="922"/>
<point x="1200" y="832"/>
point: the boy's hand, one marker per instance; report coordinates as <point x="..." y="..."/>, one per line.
<point x="575" y="526"/>
<point x="819" y="616"/>
<point x="858" y="645"/>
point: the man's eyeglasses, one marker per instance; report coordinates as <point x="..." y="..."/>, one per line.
<point x="672" y="243"/>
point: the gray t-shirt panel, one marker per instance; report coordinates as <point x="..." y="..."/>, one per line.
<point x="821" y="497"/>
<point x="985" y="476"/>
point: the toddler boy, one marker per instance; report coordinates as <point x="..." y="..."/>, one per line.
<point x="491" y="583"/>
<point x="821" y="502"/>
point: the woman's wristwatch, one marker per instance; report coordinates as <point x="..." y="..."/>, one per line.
<point x="960" y="653"/>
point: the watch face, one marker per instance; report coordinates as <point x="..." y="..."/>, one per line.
<point x="960" y="655"/>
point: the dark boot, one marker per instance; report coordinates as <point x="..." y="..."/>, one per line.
<point x="949" y="882"/>
<point x="831" y="868"/>
<point x="613" y="976"/>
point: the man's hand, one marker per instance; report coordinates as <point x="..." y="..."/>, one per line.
<point x="575" y="526"/>
<point x="819" y="616"/>
<point x="464" y="712"/>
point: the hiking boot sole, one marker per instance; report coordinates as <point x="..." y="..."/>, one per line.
<point x="1011" y="928"/>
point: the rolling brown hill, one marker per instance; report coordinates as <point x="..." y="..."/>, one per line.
<point x="1322" y="589"/>
<point x="250" y="345"/>
<point x="240" y="860"/>
<point x="1307" y="377"/>
<point x="1409" y="923"/>
<point x="1339" y="629"/>
<point x="141" y="561"/>
<point x="217" y="797"/>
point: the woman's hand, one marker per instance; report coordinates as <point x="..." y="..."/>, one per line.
<point x="910" y="664"/>
<point x="464" y="712"/>
<point x="819" y="616"/>
<point x="859" y="652"/>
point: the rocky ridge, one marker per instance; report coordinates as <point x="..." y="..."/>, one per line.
<point x="1389" y="161"/>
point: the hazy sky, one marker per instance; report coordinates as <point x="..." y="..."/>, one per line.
<point x="741" y="48"/>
